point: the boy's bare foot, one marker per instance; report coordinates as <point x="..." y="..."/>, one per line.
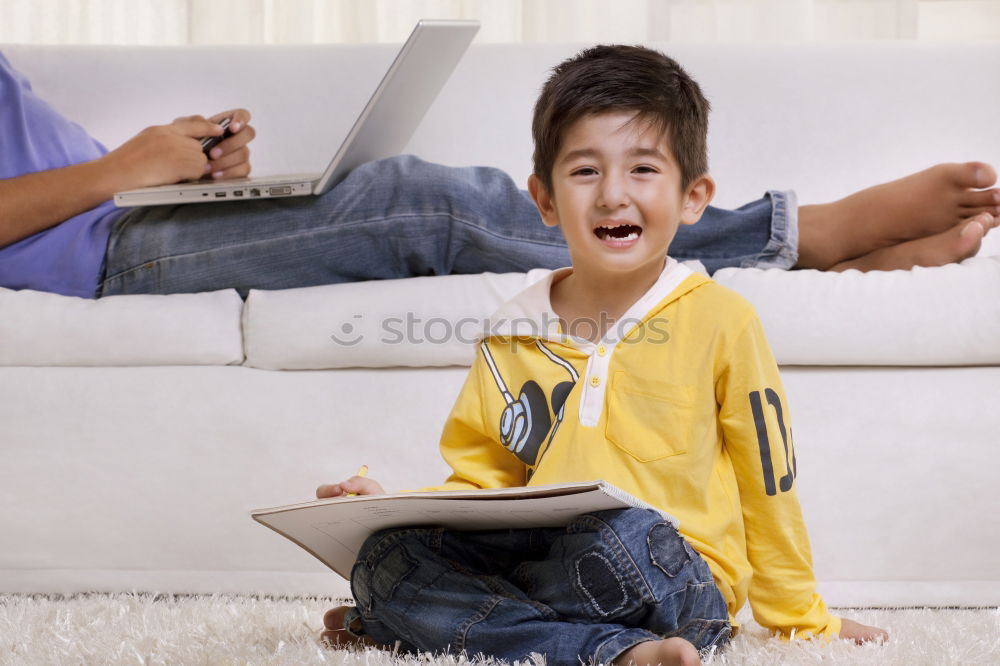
<point x="960" y="242"/>
<point x="922" y="205"/>
<point x="668" y="652"/>
<point x="336" y="636"/>
<point x="861" y="633"/>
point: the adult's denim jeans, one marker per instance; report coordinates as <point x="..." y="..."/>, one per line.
<point x="607" y="582"/>
<point x="395" y="218"/>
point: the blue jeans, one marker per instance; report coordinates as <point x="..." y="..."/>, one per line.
<point x="395" y="218"/>
<point x="607" y="582"/>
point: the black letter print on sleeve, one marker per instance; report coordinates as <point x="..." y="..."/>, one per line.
<point x="764" y="443"/>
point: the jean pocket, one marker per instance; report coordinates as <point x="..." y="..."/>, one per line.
<point x="649" y="419"/>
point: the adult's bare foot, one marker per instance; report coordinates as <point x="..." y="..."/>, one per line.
<point x="667" y="652"/>
<point x="960" y="242"/>
<point x="335" y="635"/>
<point x="918" y="206"/>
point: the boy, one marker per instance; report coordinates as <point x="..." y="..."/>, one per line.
<point x="635" y="370"/>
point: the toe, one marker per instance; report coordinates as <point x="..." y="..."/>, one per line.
<point x="989" y="197"/>
<point x="333" y="638"/>
<point x="986" y="220"/>
<point x="338" y="637"/>
<point x="974" y="201"/>
<point x="329" y="638"/>
<point x="969" y="239"/>
<point x="965" y="175"/>
<point x="974" y="174"/>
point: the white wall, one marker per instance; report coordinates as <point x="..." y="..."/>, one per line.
<point x="326" y="21"/>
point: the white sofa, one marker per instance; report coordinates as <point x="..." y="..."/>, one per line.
<point x="137" y="433"/>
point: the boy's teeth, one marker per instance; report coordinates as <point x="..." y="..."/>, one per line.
<point x="615" y="233"/>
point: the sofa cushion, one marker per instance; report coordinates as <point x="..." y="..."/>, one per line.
<point x="949" y="315"/>
<point x="38" y="329"/>
<point x="418" y="322"/>
<point x="928" y="316"/>
<point x="424" y="321"/>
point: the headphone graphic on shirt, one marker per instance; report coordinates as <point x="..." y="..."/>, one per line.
<point x="525" y="420"/>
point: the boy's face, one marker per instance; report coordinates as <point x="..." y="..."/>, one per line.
<point x="616" y="194"/>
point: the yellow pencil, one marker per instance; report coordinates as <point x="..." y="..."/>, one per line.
<point x="363" y="472"/>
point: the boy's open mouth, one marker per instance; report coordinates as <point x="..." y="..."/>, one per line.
<point x="620" y="232"/>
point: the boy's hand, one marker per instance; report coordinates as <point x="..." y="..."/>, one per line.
<point x="860" y="633"/>
<point x="356" y="484"/>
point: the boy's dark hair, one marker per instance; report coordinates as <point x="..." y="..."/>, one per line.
<point x="610" y="78"/>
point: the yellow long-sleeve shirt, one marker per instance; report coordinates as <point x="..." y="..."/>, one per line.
<point x="681" y="405"/>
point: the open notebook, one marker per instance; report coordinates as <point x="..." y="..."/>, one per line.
<point x="334" y="530"/>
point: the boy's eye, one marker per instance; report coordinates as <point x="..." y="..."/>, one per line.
<point x="645" y="168"/>
<point x="584" y="171"/>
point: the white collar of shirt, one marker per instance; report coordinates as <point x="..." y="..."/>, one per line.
<point x="530" y="314"/>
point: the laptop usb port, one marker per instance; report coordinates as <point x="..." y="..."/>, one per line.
<point x="220" y="195"/>
<point x="284" y="189"/>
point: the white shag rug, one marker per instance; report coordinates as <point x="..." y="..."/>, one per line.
<point x="151" y="630"/>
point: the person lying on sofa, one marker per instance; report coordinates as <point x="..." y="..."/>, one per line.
<point x="394" y="218"/>
<point x="690" y="421"/>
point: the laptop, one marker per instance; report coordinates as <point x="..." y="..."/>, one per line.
<point x="409" y="87"/>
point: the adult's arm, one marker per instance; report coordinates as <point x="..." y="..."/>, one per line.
<point x="37" y="201"/>
<point x="158" y="155"/>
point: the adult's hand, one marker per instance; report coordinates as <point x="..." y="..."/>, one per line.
<point x="159" y="155"/>
<point x="166" y="154"/>
<point x="231" y="157"/>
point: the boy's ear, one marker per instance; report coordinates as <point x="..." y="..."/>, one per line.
<point x="543" y="201"/>
<point x="696" y="199"/>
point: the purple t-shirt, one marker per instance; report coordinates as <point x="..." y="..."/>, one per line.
<point x="67" y="258"/>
